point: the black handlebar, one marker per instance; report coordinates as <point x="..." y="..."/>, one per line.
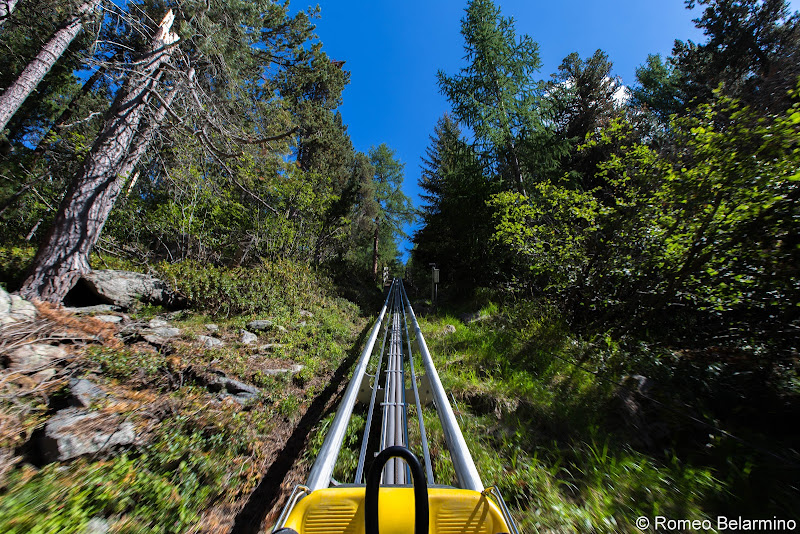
<point x="421" y="512"/>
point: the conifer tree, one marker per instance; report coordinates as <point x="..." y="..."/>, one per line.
<point x="496" y="94"/>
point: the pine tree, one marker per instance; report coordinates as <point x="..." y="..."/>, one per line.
<point x="496" y="94"/>
<point x="64" y="254"/>
<point x="13" y="97"/>
<point x="6" y="8"/>
<point x="394" y="207"/>
<point x="456" y="221"/>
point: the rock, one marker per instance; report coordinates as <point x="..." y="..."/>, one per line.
<point x="97" y="525"/>
<point x="44" y="375"/>
<point x="209" y="342"/>
<point x="261" y="324"/>
<point x="468" y="318"/>
<point x="84" y="392"/>
<point x="123" y="288"/>
<point x="264" y="325"/>
<point x="160" y="335"/>
<point x="234" y="387"/>
<point x="5" y="301"/>
<point x="157" y="323"/>
<point x="73" y="432"/>
<point x="270" y="346"/>
<point x="165" y="332"/>
<point x="307" y="314"/>
<point x="21" y="308"/>
<point x="295" y="368"/>
<point x="14" y="308"/>
<point x="98" y="308"/>
<point x="248" y="338"/>
<point x="211" y="327"/>
<point x="449" y="329"/>
<point x="109" y="318"/>
<point x="33" y="356"/>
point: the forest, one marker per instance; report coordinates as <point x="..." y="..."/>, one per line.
<point x="619" y="262"/>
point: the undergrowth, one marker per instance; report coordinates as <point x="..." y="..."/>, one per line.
<point x="554" y="421"/>
<point x="202" y="453"/>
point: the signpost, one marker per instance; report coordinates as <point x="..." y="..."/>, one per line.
<point x="434" y="283"/>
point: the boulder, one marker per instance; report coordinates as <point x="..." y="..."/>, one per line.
<point x="157" y="322"/>
<point x="83" y="392"/>
<point x="97" y="308"/>
<point x="123" y="288"/>
<point x="21" y="308"/>
<point x="160" y="335"/>
<point x="73" y="432"/>
<point x="44" y="375"/>
<point x="13" y="308"/>
<point x="34" y="356"/>
<point x="265" y="325"/>
<point x="209" y="342"/>
<point x="248" y="338"/>
<point x="260" y="324"/>
<point x="236" y="388"/>
<point x="295" y="368"/>
<point x="113" y="319"/>
<point x="5" y="301"/>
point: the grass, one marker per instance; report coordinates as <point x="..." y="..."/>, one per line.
<point x="202" y="454"/>
<point x="543" y="429"/>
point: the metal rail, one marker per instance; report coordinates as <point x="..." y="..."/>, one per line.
<point x="394" y="425"/>
<point x="426" y="455"/>
<point x="466" y="472"/>
<point x="362" y="455"/>
<point x="394" y="428"/>
<point x="322" y="470"/>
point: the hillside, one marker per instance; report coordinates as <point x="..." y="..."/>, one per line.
<point x="197" y="231"/>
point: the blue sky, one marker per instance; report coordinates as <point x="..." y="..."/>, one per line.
<point x="394" y="49"/>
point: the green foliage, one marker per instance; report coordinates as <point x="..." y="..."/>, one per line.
<point x="547" y="232"/>
<point x="55" y="500"/>
<point x="125" y="363"/>
<point x="544" y="431"/>
<point x="495" y="94"/>
<point x="14" y="262"/>
<point x="272" y="288"/>
<point x="707" y="227"/>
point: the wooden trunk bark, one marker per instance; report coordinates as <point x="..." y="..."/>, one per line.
<point x="64" y="253"/>
<point x="375" y="252"/>
<point x="148" y="133"/>
<point x="6" y="8"/>
<point x="37" y="69"/>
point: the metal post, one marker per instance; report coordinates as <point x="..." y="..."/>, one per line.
<point x="322" y="470"/>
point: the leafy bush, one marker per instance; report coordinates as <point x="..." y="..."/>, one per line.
<point x="14" y="261"/>
<point x="272" y="288"/>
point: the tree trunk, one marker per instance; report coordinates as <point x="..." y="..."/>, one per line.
<point x="64" y="253"/>
<point x="145" y="137"/>
<point x="375" y="252"/>
<point x="14" y="96"/>
<point x="6" y="8"/>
